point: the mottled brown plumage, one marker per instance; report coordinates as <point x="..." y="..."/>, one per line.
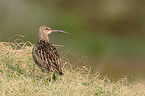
<point x="47" y="57"/>
<point x="44" y="54"/>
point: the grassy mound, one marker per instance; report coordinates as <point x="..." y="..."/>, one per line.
<point x="20" y="76"/>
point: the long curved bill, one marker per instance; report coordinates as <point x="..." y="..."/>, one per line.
<point x="61" y="31"/>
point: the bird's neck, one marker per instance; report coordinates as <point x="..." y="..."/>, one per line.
<point x="43" y="36"/>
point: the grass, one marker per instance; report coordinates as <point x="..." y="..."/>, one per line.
<point x="20" y="76"/>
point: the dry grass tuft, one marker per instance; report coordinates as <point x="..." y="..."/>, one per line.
<point x="20" y="76"/>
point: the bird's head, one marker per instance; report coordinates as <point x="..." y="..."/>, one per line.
<point x="47" y="30"/>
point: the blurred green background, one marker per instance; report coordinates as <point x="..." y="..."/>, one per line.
<point x="109" y="35"/>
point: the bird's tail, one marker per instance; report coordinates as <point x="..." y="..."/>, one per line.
<point x="61" y="73"/>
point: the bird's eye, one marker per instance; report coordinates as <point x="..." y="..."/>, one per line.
<point x="46" y="28"/>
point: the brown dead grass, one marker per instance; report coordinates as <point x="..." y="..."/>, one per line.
<point x="20" y="76"/>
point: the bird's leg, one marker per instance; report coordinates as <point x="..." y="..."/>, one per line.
<point x="42" y="73"/>
<point x="53" y="76"/>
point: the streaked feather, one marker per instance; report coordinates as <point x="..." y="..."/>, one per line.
<point x="46" y="56"/>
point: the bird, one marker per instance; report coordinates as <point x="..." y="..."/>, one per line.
<point x="44" y="54"/>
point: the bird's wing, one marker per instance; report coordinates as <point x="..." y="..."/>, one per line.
<point x="53" y="56"/>
<point x="47" y="56"/>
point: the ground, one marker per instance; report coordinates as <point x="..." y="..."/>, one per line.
<point x="20" y="76"/>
